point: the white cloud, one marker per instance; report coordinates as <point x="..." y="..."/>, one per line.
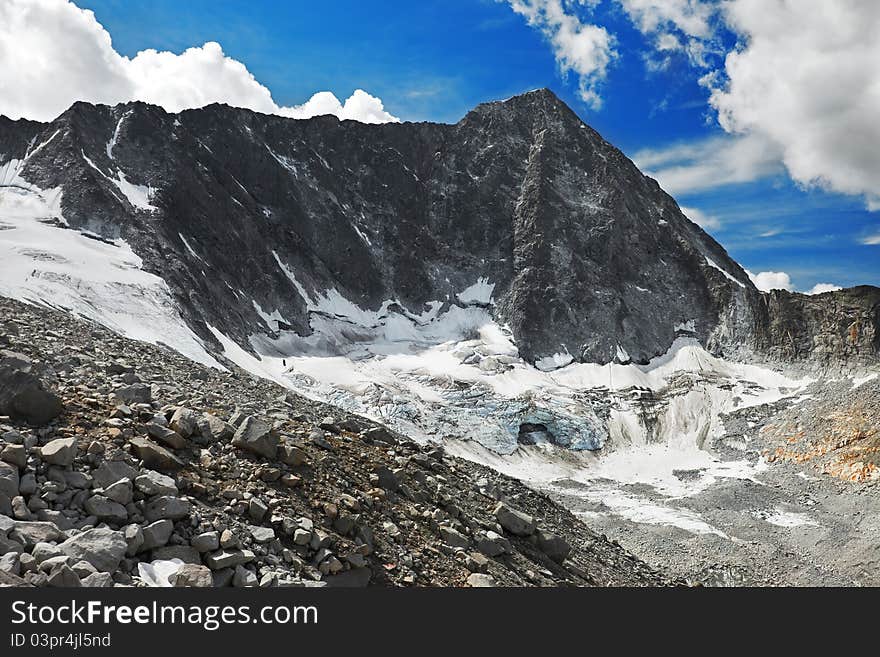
<point x="54" y="53"/>
<point x="805" y="78"/>
<point x="780" y="280"/>
<point x="802" y="84"/>
<point x="871" y="240"/>
<point x="702" y="219"/>
<point x="679" y="25"/>
<point x="692" y="17"/>
<point x="580" y="48"/>
<point x="360" y="106"/>
<point x="709" y="163"/>
<point x="771" y="280"/>
<point x="667" y="41"/>
<point x="820" y="288"/>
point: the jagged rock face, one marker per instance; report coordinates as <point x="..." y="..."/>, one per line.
<point x="827" y="330"/>
<point x="586" y="254"/>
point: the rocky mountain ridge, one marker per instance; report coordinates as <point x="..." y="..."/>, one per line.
<point x="255" y="222"/>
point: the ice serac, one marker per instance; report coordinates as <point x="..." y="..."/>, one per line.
<point x="259" y="224"/>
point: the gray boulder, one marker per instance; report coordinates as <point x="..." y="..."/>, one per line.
<point x="380" y="434"/>
<point x="212" y="428"/>
<point x="261" y="534"/>
<point x="513" y="521"/>
<point x="228" y="558"/>
<point x="156" y="534"/>
<point x="15" y="455"/>
<point x="137" y="393"/>
<point x="167" y="507"/>
<point x="22" y="395"/>
<point x="30" y="533"/>
<point x="109" y="472"/>
<point x="62" y="575"/>
<point x="453" y="537"/>
<point x="28" y="484"/>
<point x="155" y="483"/>
<point x="257" y="509"/>
<point x="553" y="545"/>
<point x="256" y="437"/>
<point x="155" y="456"/>
<point x="98" y="581"/>
<point x="192" y="575"/>
<point x="291" y="455"/>
<point x="492" y="544"/>
<point x="185" y="422"/>
<point x="206" y="542"/>
<point x="120" y="491"/>
<point x="165" y="435"/>
<point x="134" y="538"/>
<point x="244" y="577"/>
<point x="9" y="480"/>
<point x="60" y="451"/>
<point x="83" y="568"/>
<point x="43" y="551"/>
<point x="481" y="581"/>
<point x="387" y="479"/>
<point x="106" y="509"/>
<point x="11" y="563"/>
<point x="103" y="548"/>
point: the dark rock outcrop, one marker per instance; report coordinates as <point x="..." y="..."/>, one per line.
<point x="827" y="330"/>
<point x="24" y="396"/>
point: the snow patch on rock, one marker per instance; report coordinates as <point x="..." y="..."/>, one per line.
<point x="44" y="262"/>
<point x="554" y="362"/>
<point x="727" y="275"/>
<point x="478" y="293"/>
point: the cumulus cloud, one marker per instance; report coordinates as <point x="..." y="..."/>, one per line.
<point x="55" y="53"/>
<point x="703" y="220"/>
<point x="677" y="26"/>
<point x="821" y="288"/>
<point x="692" y="17"/>
<point x="771" y="280"/>
<point x="714" y="162"/>
<point x="580" y="48"/>
<point x="802" y="84"/>
<point x="780" y="280"/>
<point x="806" y="79"/>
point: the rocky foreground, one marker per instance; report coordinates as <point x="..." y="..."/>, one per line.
<point x="118" y="458"/>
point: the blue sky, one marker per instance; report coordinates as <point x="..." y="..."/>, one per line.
<point x="432" y="60"/>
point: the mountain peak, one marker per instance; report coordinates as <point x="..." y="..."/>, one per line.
<point x="542" y="93"/>
<point x="584" y="255"/>
<point x="536" y="98"/>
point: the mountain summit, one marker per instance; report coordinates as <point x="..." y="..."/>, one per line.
<point x="519" y="208"/>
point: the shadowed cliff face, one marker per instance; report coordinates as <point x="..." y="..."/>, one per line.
<point x="587" y="256"/>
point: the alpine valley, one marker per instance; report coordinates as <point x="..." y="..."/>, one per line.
<point x="510" y="290"/>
